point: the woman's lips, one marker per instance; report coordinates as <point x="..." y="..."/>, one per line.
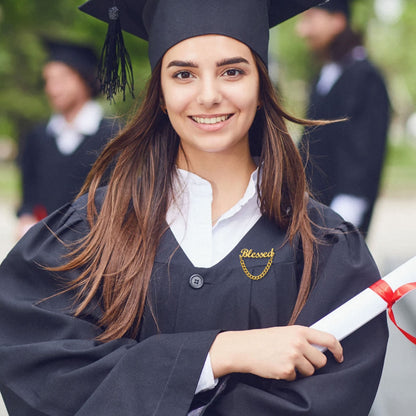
<point x="211" y="123"/>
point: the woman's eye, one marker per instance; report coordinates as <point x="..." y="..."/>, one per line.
<point x="183" y="75"/>
<point x="233" y="72"/>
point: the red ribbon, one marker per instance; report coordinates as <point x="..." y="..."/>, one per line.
<point x="39" y="211"/>
<point x="382" y="288"/>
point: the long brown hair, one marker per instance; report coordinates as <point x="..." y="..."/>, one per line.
<point x="117" y="255"/>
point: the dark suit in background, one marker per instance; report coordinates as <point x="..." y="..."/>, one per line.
<point x="51" y="178"/>
<point x="346" y="158"/>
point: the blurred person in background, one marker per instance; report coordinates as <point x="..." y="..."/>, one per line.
<point x="344" y="160"/>
<point x="56" y="156"/>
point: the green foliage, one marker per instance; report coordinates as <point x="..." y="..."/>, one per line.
<point x="391" y="47"/>
<point x="400" y="169"/>
<point x="9" y="182"/>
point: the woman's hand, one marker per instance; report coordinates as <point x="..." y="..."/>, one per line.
<point x="277" y="352"/>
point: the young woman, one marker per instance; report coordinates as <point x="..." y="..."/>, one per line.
<point x="174" y="289"/>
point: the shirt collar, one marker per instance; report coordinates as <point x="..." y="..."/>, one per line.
<point x="190" y="218"/>
<point x="190" y="188"/>
<point x="86" y="122"/>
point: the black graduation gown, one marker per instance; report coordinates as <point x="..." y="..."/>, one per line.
<point x="50" y="363"/>
<point x="347" y="157"/>
<point x="51" y="179"/>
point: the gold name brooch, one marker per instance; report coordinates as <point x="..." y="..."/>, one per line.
<point x="250" y="254"/>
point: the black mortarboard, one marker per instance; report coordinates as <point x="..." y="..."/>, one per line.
<point x="165" y="23"/>
<point x="342" y="6"/>
<point x="81" y="58"/>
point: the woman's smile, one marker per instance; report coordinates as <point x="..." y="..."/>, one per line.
<point x="210" y="119"/>
<point x="210" y="123"/>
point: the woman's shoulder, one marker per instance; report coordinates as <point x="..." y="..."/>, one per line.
<point x="331" y="229"/>
<point x="70" y="222"/>
<point x="51" y="239"/>
<point x="81" y="203"/>
<point x="323" y="216"/>
<point x="364" y="73"/>
<point x="329" y="226"/>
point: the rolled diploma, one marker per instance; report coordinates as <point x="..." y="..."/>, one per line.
<point x="365" y="306"/>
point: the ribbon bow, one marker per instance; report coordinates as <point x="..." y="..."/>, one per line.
<point x="382" y="288"/>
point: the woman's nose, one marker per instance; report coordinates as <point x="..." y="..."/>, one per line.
<point x="209" y="93"/>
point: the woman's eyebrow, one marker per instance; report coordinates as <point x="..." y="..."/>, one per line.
<point x="188" y="64"/>
<point x="223" y="62"/>
<point x="232" y="61"/>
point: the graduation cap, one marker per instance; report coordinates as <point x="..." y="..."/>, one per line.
<point x="342" y="6"/>
<point x="165" y="23"/>
<point x="82" y="59"/>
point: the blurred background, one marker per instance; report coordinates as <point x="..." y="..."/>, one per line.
<point x="389" y="28"/>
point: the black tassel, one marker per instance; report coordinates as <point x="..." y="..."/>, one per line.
<point x="114" y="55"/>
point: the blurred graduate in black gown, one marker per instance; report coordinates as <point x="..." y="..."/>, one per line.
<point x="344" y="160"/>
<point x="56" y="156"/>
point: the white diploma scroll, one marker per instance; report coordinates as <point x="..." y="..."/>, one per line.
<point x="366" y="305"/>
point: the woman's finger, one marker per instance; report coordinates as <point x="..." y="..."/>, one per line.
<point x="328" y="341"/>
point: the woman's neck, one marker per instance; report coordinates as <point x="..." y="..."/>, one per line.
<point x="228" y="175"/>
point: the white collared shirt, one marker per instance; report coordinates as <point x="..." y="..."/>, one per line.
<point x="330" y="73"/>
<point x="69" y="136"/>
<point x="190" y="219"/>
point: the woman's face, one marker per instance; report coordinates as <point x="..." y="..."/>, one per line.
<point x="210" y="87"/>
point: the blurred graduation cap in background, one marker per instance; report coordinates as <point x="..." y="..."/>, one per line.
<point x="80" y="58"/>
<point x="341" y="6"/>
<point x="165" y="23"/>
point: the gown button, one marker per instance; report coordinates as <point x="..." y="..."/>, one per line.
<point x="196" y="281"/>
